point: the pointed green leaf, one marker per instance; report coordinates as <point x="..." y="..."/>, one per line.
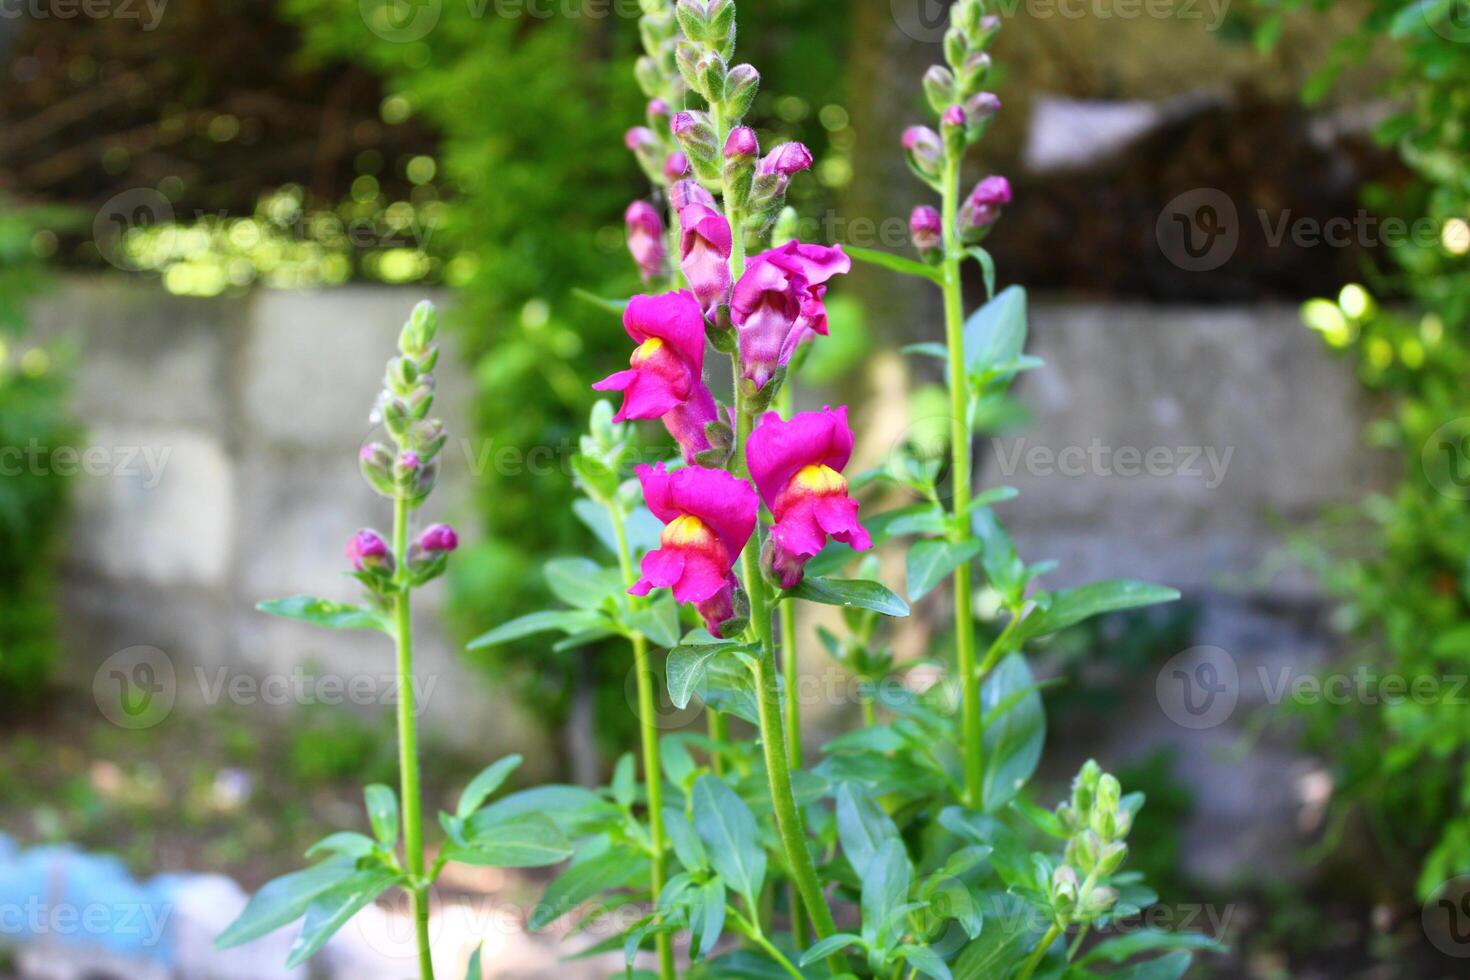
<point x="284" y="900"/>
<point x="1120" y="949"/>
<point x="894" y="263"/>
<point x="832" y="944"/>
<point x="326" y="613"/>
<point x="659" y="621"/>
<point x="475" y="971"/>
<point x="546" y="621"/>
<point x="987" y="269"/>
<point x="931" y="562"/>
<point x="686" y="669"/>
<point x="382" y="808"/>
<point x="732" y="840"/>
<point x="850" y="593"/>
<point x="687" y="846"/>
<point x="1071" y="606"/>
<point x="330" y="911"/>
<point x="863" y="826"/>
<point x="352" y="845"/>
<point x="1013" y="742"/>
<point x="885" y="889"/>
<point x="612" y="869"/>
<point x="485" y="784"/>
<point x="531" y="840"/>
<point x="926" y="961"/>
<point x="1011" y="928"/>
<point x="995" y="334"/>
<point x="580" y="582"/>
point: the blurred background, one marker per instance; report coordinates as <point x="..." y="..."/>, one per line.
<point x="1244" y="228"/>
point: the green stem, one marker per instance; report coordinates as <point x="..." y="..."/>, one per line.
<point x="1077" y="943"/>
<point x="408" y="749"/>
<point x="753" y="932"/>
<point x="870" y="716"/>
<point x="964" y="620"/>
<point x="648" y="732"/>
<point x="719" y="733"/>
<point x="1039" y="954"/>
<point x="789" y="823"/>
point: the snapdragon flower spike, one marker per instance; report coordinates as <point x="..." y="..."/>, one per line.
<point x="705" y="244"/>
<point x="708" y="517"/>
<point x="646" y="239"/>
<point x="669" y="360"/>
<point x="982" y="208"/>
<point x="779" y="302"/>
<point x="797" y="466"/>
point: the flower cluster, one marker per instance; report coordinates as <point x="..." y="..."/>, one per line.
<point x="407" y="470"/>
<point x="955" y="91"/>
<point x="1097" y="819"/>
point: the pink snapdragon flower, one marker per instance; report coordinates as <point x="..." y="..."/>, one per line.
<point x="705" y="244"/>
<point x="369" y="552"/>
<point x="787" y="160"/>
<point x="708" y="517"/>
<point x="779" y="302"/>
<point x="669" y="359"/>
<point x="646" y="239"/>
<point x="797" y="466"/>
<point x="686" y="192"/>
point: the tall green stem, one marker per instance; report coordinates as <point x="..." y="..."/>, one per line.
<point x="964" y="620"/>
<point x="1039" y="954"/>
<point x="648" y="731"/>
<point x="789" y="823"/>
<point x="408" y="749"/>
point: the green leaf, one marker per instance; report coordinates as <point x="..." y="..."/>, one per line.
<point x="531" y="840"/>
<point x="1013" y="742"/>
<point x="894" y="263"/>
<point x="326" y="613"/>
<point x="490" y="779"/>
<point x="330" y="910"/>
<point x="835" y="943"/>
<point x="475" y="971"/>
<point x="930" y="349"/>
<point x="625" y="780"/>
<point x="382" y="808"/>
<point x="851" y="593"/>
<point x="863" y="827"/>
<point x="1120" y="949"/>
<point x="1071" y="606"/>
<point x="987" y="268"/>
<point x="707" y="916"/>
<point x="995" y="334"/>
<point x="355" y="846"/>
<point x="885" y="889"/>
<point x="613" y="306"/>
<point x="687" y="846"/>
<point x="926" y="961"/>
<point x="729" y="832"/>
<point x="580" y="582"/>
<point x="284" y="900"/>
<point x="617" y="868"/>
<point x="686" y="669"/>
<point x="1011" y="928"/>
<point x="574" y="809"/>
<point x="659" y="621"/>
<point x="1169" y="967"/>
<point x="546" y="621"/>
<point x="931" y="562"/>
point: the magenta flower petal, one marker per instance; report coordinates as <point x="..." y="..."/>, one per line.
<point x="686" y="422"/>
<point x="778" y="449"/>
<point x="724" y="502"/>
<point x="705" y="244"/>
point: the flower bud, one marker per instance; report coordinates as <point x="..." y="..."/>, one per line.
<point x="712" y="75"/>
<point x="1084" y="787"/>
<point x="428" y="555"/>
<point x="926" y="228"/>
<point x="952" y="127"/>
<point x="368" y="552"/>
<point x="1084" y="849"/>
<point x="740" y="155"/>
<point x="376" y="462"/>
<point x="742" y="143"/>
<point x="648" y="150"/>
<point x="686" y="192"/>
<point x="650" y="79"/>
<point x="659" y="115"/>
<point x="428" y="438"/>
<point x="787" y="159"/>
<point x="676" y="166"/>
<point x="939" y="88"/>
<point x="956" y="46"/>
<point x="982" y="208"/>
<point x="697" y="138"/>
<point x="722" y="25"/>
<point x="646" y="239"/>
<point x="1112" y="858"/>
<point x="656" y="30"/>
<point x="985" y="33"/>
<point x="687" y="56"/>
<point x="439" y="538"/>
<point x="741" y="86"/>
<point x="1109" y="792"/>
<point x="925" y="152"/>
<point x="980" y="109"/>
<point x="967" y="16"/>
<point x="973" y="73"/>
<point x="1097" y="902"/>
<point x="418" y="333"/>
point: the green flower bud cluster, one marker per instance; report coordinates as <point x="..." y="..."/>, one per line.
<point x="960" y="84"/>
<point x="409" y="469"/>
<point x="1097" y="820"/>
<point x="656" y="70"/>
<point x="703" y="56"/>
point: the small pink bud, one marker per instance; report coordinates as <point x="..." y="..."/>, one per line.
<point x="954" y="116"/>
<point x="982" y="208"/>
<point x="742" y="143"/>
<point x="409" y="462"/>
<point x="925" y="151"/>
<point x="368" y="551"/>
<point x="658" y="109"/>
<point x="639" y="137"/>
<point x="687" y="192"/>
<point x="676" y="166"/>
<point x="683" y="122"/>
<point x="439" y="538"/>
<point x="926" y="227"/>
<point x="646" y="238"/>
<point x="787" y="159"/>
<point x="983" y="106"/>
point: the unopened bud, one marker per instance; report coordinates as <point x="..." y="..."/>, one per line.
<point x="973" y="73"/>
<point x="418" y="333"/>
<point x="1098" y="901"/>
<point x="1112" y="858"/>
<point x="787" y="159"/>
<point x="926" y="228"/>
<point x="741" y="86"/>
<point x="368" y="552"/>
<point x="428" y="438"/>
<point x="740" y="159"/>
<point x="647" y="149"/>
<point x="952" y="128"/>
<point x="696" y="135"/>
<point x="980" y="109"/>
<point x="659" y="115"/>
<point x="982" y="208"/>
<point x="939" y="88"/>
<point x="676" y="166"/>
<point x="439" y="538"/>
<point x="925" y="152"/>
<point x="376" y="462"/>
<point x="956" y="47"/>
<point x="686" y="192"/>
<point x="650" y="79"/>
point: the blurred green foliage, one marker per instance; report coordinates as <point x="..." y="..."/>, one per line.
<point x="532" y="112"/>
<point x="33" y="499"/>
<point x="1401" y="561"/>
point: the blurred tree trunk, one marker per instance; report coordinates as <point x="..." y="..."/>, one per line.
<point x="886" y="65"/>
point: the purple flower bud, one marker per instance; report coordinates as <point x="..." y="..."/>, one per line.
<point x="787" y="159"/>
<point x="369" y="552"/>
<point x="408" y="462"/>
<point x="439" y="538"/>
<point x="954" y="116"/>
<point x="683" y="122"/>
<point x="687" y="192"/>
<point x="639" y="137"/>
<point x="742" y="143"/>
<point x="926" y="227"/>
<point x="983" y="107"/>
<point x="646" y="238"/>
<point x="925" y="151"/>
<point x="982" y="208"/>
<point x="676" y="166"/>
<point x="658" y="109"/>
